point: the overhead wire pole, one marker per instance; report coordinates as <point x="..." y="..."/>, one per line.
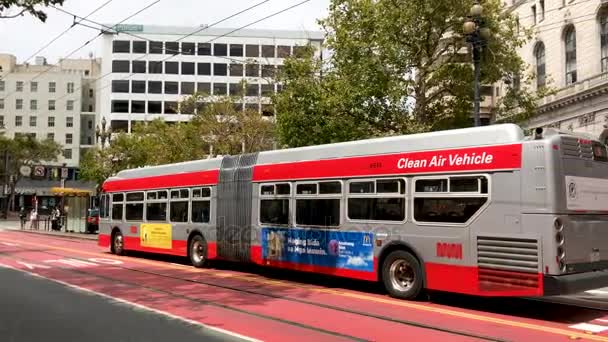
<point x="85" y="44"/>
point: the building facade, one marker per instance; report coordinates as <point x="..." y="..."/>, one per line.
<point x="569" y="54"/>
<point x="55" y="102"/>
<point x="150" y="73"/>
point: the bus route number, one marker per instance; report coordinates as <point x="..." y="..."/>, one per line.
<point x="375" y="165"/>
<point x="449" y="250"/>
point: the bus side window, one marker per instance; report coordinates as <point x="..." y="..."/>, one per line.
<point x="453" y="200"/>
<point x="178" y="207"/>
<point x="377" y="200"/>
<point x="156" y="206"/>
<point x="274" y="203"/>
<point x="320" y="209"/>
<point x="201" y="205"/>
<point x="117" y="206"/>
<point x="134" y="207"/>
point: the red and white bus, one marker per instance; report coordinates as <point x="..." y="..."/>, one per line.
<point x="483" y="211"/>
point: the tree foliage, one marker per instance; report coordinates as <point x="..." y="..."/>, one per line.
<point x="217" y="128"/>
<point x="26" y="7"/>
<point x="25" y="151"/>
<point x="395" y="67"/>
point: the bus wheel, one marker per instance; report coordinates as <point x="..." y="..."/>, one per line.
<point x="402" y="275"/>
<point x="118" y="246"/>
<point x="198" y="251"/>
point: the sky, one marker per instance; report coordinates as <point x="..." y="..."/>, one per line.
<point x="23" y="36"/>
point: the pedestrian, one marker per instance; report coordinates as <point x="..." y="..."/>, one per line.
<point x="22" y="217"/>
<point x="54" y="218"/>
<point x="34" y="218"/>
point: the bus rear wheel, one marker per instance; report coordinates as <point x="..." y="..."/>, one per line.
<point x="198" y="251"/>
<point x="118" y="246"/>
<point x="402" y="275"/>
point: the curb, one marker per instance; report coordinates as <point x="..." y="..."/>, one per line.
<point x="76" y="237"/>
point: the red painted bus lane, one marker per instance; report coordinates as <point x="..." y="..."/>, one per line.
<point x="310" y="300"/>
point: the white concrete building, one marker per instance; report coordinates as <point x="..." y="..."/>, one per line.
<point x="568" y="53"/>
<point x="149" y="74"/>
<point x="49" y="102"/>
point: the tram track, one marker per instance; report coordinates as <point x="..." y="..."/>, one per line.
<point x="259" y="293"/>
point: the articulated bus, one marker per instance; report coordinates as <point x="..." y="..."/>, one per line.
<point x="483" y="211"/>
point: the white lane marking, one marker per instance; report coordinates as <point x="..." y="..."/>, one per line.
<point x="139" y="306"/>
<point x="601" y="320"/>
<point x="594" y="328"/>
<point x="10" y="244"/>
<point x="32" y="266"/>
<point x="598" y="292"/>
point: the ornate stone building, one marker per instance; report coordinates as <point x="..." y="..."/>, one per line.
<point x="568" y="53"/>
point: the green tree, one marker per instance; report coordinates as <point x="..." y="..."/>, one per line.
<point x="25" y="151"/>
<point x="26" y="7"/>
<point x="395" y="67"/>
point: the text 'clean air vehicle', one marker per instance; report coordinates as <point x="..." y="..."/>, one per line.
<point x="482" y="211"/>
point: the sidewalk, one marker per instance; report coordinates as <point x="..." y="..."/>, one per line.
<point x="15" y="225"/>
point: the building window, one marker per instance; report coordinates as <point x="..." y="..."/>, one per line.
<point x="155" y="87"/>
<point x="139" y="67"/>
<point x="33" y="87"/>
<point x="69" y="122"/>
<point x="188" y="49"/>
<point x="171" y="87"/>
<point x="283" y="51"/>
<point x="18" y="121"/>
<point x="69" y="105"/>
<point x="570" y="42"/>
<point x="204" y="49"/>
<point x="33" y="105"/>
<point x="236" y="70"/>
<point x="120" y="66"/>
<point x="1" y="103"/>
<point x="70" y="87"/>
<point x="236" y="50"/>
<point x="539" y="53"/>
<point x="51" y="104"/>
<point x="252" y="70"/>
<point x="171" y="48"/>
<point x="220" y="89"/>
<point x="268" y="70"/>
<point x="90" y="124"/>
<point x="268" y="51"/>
<point x="1" y="120"/>
<point x="203" y="69"/>
<point x="138" y="87"/>
<point x="121" y="46"/>
<point x="267" y="109"/>
<point x="138" y="106"/>
<point x="2" y="85"/>
<point x="267" y="89"/>
<point x="220" y="69"/>
<point x="253" y="90"/>
<point x="120" y="86"/>
<point x="170" y="107"/>
<point x="68" y="138"/>
<point x="51" y="121"/>
<point x="120" y="106"/>
<point x="18" y="103"/>
<point x="19" y="86"/>
<point x="203" y="88"/>
<point x="604" y="38"/>
<point x="91" y="92"/>
<point x="235" y="89"/>
<point x="220" y="49"/>
<point x="52" y="87"/>
<point x="252" y="50"/>
<point x="449" y="200"/>
<point x="274" y="203"/>
<point x="155" y="67"/>
<point x="50" y="136"/>
<point x="187" y="88"/>
<point x="156" y="47"/>
<point x="541" y="4"/>
<point x="67" y="153"/>
<point x="171" y="67"/>
<point x="140" y="47"/>
<point x="187" y="68"/>
<point x="299" y="51"/>
<point x="155" y="107"/>
<point x="33" y="121"/>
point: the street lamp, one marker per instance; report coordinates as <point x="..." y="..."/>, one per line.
<point x="477" y="35"/>
<point x="103" y="133"/>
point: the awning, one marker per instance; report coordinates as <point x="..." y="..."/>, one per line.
<point x="70" y="192"/>
<point x="44" y="187"/>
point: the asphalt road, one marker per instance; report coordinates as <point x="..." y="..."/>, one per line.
<point x="36" y="309"/>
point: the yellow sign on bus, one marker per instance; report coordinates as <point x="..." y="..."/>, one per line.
<point x="155" y="235"/>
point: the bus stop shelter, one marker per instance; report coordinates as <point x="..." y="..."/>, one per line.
<point x="74" y="205"/>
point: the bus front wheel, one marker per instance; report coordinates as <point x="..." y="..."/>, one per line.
<point x="402" y="275"/>
<point x="198" y="251"/>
